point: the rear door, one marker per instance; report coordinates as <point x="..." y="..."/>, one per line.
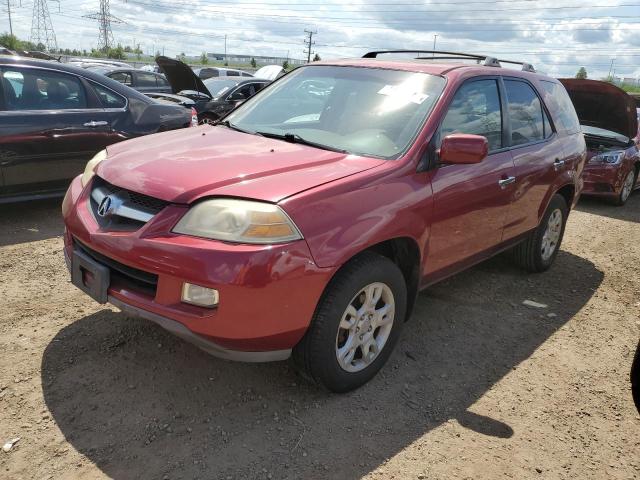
<point x="537" y="155"/>
<point x="471" y="202"/>
<point x="52" y="125"/>
<point x="145" y="82"/>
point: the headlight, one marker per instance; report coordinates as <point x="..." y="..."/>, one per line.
<point x="612" y="158"/>
<point x="89" y="170"/>
<point x="239" y="221"/>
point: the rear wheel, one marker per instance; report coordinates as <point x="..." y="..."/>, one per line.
<point x="627" y="188"/>
<point x="538" y="251"/>
<point x="356" y="324"/>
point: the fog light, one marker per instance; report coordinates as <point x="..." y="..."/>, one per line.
<point x="201" y="296"/>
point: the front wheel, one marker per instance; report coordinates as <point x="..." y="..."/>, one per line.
<point x="356" y="324"/>
<point x="538" y="251"/>
<point x="627" y="188"/>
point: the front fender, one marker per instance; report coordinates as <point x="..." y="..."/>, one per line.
<point x="339" y="223"/>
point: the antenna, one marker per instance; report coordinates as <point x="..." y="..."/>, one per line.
<point x="104" y="17"/>
<point x="41" y="28"/>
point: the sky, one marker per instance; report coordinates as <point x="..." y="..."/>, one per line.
<point x="557" y="37"/>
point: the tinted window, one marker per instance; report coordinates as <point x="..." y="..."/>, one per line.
<point x="26" y="89"/>
<point x="548" y="130"/>
<point x="162" y="82"/>
<point x="231" y="73"/>
<point x="219" y="86"/>
<point x="108" y="98"/>
<point x="122" y="77"/>
<point x="146" y="79"/>
<point x="557" y="100"/>
<point x="475" y="109"/>
<point x="525" y="113"/>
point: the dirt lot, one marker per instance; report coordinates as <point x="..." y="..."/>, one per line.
<point x="481" y="386"/>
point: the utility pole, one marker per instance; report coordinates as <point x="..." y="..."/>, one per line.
<point x="309" y="43"/>
<point x="9" y="10"/>
<point x="225" y="50"/>
<point x="41" y="26"/>
<point x="435" y="37"/>
<point x="105" y="19"/>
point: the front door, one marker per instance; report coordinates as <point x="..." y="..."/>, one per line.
<point x="51" y="126"/>
<point x="471" y="202"/>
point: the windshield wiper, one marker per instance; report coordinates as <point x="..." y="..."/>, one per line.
<point x="295" y="138"/>
<point x="232" y="126"/>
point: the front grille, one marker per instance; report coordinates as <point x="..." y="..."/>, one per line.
<point x="138" y="280"/>
<point x="129" y="210"/>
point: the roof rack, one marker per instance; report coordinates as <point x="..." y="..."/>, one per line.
<point x="442" y="55"/>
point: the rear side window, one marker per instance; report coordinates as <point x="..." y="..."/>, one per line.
<point x="108" y="98"/>
<point x="146" y="79"/>
<point x="122" y="77"/>
<point x="525" y="113"/>
<point x="231" y="73"/>
<point x="27" y="89"/>
<point x="475" y="109"/>
<point x="561" y="107"/>
<point x="162" y="82"/>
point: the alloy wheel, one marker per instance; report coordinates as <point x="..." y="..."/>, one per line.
<point x="365" y="327"/>
<point x="551" y="236"/>
<point x="627" y="187"/>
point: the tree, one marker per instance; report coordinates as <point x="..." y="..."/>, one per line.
<point x="582" y="73"/>
<point x="204" y="59"/>
<point x="285" y="64"/>
<point x="316" y="58"/>
<point x="253" y="63"/>
<point x="9" y="41"/>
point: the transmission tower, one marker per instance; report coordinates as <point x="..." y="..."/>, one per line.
<point x="41" y="27"/>
<point x="105" y="19"/>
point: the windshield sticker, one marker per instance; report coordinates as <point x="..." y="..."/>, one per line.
<point x="401" y="93"/>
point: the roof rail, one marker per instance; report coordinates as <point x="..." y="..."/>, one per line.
<point x="442" y="55"/>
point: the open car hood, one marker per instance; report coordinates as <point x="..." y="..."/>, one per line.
<point x="603" y="105"/>
<point x="269" y="72"/>
<point x="180" y="76"/>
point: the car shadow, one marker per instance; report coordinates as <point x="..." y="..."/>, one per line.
<point x="630" y="212"/>
<point x="30" y="221"/>
<point x="139" y="403"/>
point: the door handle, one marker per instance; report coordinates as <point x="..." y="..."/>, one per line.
<point x="558" y="163"/>
<point x="506" y="181"/>
<point x="94" y="124"/>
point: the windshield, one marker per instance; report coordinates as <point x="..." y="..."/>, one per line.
<point x="364" y="111"/>
<point x="218" y="87"/>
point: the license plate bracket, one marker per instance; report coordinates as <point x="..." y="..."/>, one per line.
<point x="90" y="276"/>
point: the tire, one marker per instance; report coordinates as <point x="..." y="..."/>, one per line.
<point x="627" y="188"/>
<point x="316" y="356"/>
<point x="530" y="254"/>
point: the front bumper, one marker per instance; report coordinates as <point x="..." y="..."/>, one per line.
<point x="268" y="294"/>
<point x="602" y="180"/>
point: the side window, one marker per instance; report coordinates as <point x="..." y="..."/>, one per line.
<point x="232" y="73"/>
<point x="36" y="89"/>
<point x="475" y="109"/>
<point x="561" y="106"/>
<point x="162" y="82"/>
<point x="525" y="113"/>
<point x="548" y="130"/>
<point x="108" y="98"/>
<point x="145" y="79"/>
<point x="243" y="92"/>
<point x="122" y="77"/>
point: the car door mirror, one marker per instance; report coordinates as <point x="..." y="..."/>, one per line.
<point x="463" y="148"/>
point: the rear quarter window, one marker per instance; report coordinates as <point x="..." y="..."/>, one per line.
<point x="559" y="104"/>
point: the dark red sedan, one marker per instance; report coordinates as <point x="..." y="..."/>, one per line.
<point x="309" y="220"/>
<point x="610" y="125"/>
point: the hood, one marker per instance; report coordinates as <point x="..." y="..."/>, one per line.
<point x="269" y="72"/>
<point x="603" y="105"/>
<point x="181" y="166"/>
<point x="180" y="76"/>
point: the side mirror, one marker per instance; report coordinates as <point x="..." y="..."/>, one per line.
<point x="463" y="148"/>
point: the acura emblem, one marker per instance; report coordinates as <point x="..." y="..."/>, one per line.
<point x="105" y="205"/>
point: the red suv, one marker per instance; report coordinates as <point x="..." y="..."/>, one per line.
<point x="307" y="222"/>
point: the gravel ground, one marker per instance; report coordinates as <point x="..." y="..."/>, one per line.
<point x="480" y="386"/>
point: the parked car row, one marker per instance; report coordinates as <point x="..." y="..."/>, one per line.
<point x="305" y="223"/>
